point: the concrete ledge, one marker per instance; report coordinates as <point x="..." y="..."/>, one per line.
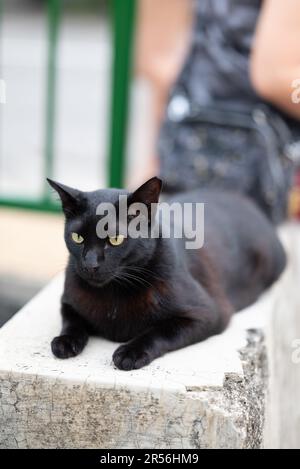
<point x="211" y="395"/>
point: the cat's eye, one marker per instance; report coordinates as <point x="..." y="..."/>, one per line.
<point x="116" y="240"/>
<point x="77" y="238"/>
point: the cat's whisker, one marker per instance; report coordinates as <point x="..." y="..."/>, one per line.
<point x="141" y="280"/>
<point x="152" y="277"/>
<point x="129" y="278"/>
<point x="124" y="279"/>
<point x="143" y="270"/>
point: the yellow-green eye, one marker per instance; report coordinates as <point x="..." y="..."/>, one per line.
<point x="77" y="238"/>
<point x="116" y="240"/>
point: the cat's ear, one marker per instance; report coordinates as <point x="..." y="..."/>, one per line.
<point x="71" y="199"/>
<point x="148" y="193"/>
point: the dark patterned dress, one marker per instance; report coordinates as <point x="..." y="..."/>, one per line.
<point x="217" y="131"/>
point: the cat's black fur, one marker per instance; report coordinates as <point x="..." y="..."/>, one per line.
<point x="154" y="295"/>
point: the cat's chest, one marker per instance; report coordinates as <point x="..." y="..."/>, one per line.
<point x="114" y="315"/>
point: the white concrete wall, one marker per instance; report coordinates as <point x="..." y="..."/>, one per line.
<point x="283" y="412"/>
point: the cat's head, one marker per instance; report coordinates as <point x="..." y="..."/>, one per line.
<point x="97" y="257"/>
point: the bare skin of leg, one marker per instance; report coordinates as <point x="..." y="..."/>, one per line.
<point x="162" y="39"/>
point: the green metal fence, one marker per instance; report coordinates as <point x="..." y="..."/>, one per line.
<point x="123" y="22"/>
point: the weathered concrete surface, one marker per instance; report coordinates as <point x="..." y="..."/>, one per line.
<point x="210" y="395"/>
<point x="282" y="429"/>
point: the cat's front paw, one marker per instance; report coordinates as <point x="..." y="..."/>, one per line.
<point x="131" y="357"/>
<point x="66" y="346"/>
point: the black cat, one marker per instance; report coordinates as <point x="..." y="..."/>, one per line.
<point x="153" y="294"/>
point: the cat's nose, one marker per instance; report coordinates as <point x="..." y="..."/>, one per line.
<point x="91" y="269"/>
<point x="91" y="263"/>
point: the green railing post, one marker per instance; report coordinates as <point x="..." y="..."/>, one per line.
<point x="123" y="30"/>
<point x="53" y="17"/>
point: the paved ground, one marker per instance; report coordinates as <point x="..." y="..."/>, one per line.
<point x="34" y="246"/>
<point x="32" y="252"/>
